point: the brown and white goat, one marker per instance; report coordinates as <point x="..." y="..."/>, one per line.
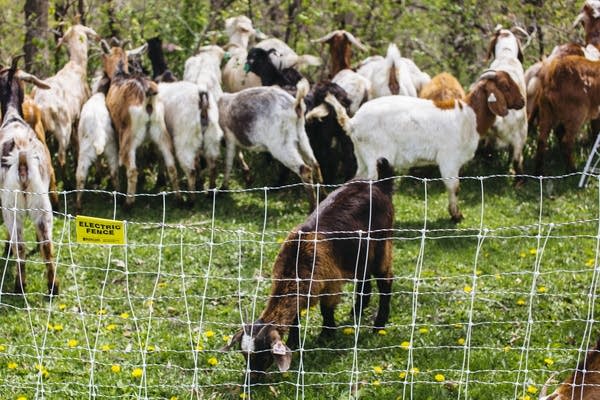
<point x="569" y="97"/>
<point x="24" y="176"/>
<point x="584" y="382"/>
<point x="69" y="89"/>
<point x="348" y="239"/>
<point x="340" y="49"/>
<point x="136" y="114"/>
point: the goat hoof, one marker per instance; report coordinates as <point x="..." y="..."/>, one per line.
<point x="456" y="218"/>
<point x="53" y="289"/>
<point x="327" y="333"/>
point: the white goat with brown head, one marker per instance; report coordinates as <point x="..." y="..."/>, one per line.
<point x="24" y="176"/>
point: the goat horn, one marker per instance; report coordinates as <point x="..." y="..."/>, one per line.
<point x="544" y="389"/>
<point x="105" y="46"/>
<point x="326" y="37"/>
<point x="27" y="77"/>
<point x="515" y="29"/>
<point x="15" y="61"/>
<point x="488" y="74"/>
<point x="352" y="39"/>
<point x="578" y="20"/>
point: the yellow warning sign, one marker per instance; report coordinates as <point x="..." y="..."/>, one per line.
<point x="99" y="230"/>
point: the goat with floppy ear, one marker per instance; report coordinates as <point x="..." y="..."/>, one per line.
<point x="347" y="239"/>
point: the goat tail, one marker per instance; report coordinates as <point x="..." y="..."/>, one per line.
<point x="203" y="105"/>
<point x="302" y="88"/>
<point x="23" y="169"/>
<point x="385" y="172"/>
<point x="341" y="114"/>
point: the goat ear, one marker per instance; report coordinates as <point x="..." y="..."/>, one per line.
<point x="24" y="76"/>
<point x="282" y="355"/>
<point x="237" y="338"/>
<point x="497" y="103"/>
<point x="318" y="113"/>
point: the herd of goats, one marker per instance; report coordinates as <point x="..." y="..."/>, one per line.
<point x="364" y="122"/>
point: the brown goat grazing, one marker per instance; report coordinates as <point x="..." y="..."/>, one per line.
<point x="442" y="88"/>
<point x="570" y="96"/>
<point x="136" y="114"/>
<point x="348" y="239"/>
<point x="583" y="384"/>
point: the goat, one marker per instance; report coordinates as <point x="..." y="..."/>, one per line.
<point x="269" y="119"/>
<point x="589" y="17"/>
<point x="358" y="87"/>
<point x="204" y="69"/>
<point x="416" y="132"/>
<point x="442" y="88"/>
<point x="136" y="114"/>
<point x="160" y="71"/>
<point x="509" y="130"/>
<point x="24" y="176"/>
<point x="33" y="116"/>
<point x="240" y="30"/>
<point x="192" y="118"/>
<point x="583" y="384"/>
<point x="286" y="57"/>
<point x="569" y="97"/>
<point x="393" y="74"/>
<point x="348" y="239"/>
<point x="259" y="62"/>
<point x="61" y="105"/>
<point x="340" y="49"/>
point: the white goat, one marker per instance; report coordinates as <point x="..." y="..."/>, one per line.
<point x="357" y="86"/>
<point x="413" y="132"/>
<point x="62" y="104"/>
<point x="24" y="177"/>
<point x="96" y="136"/>
<point x="204" y="69"/>
<point x="510" y="130"/>
<point x="240" y="30"/>
<point x="285" y="56"/>
<point x="393" y="74"/>
<point x="269" y="119"/>
<point x="192" y="119"/>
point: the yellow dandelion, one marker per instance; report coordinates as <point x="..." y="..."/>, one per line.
<point x="377" y="369"/>
<point x="506" y="349"/>
<point x="2" y="347"/>
<point x="590" y="262"/>
<point x="498" y="276"/>
<point x="151" y="348"/>
<point x="72" y="343"/>
<point x="461" y="341"/>
<point x="50" y="326"/>
<point x="405" y="345"/>
<point x="478" y="272"/>
<point x="21" y="398"/>
<point x="111" y="327"/>
<point x="58" y="327"/>
<point x="149" y="303"/>
<point x="280" y="240"/>
<point x="105" y="347"/>
<point x="414" y="370"/>
<point x="243" y="395"/>
<point x="226" y="338"/>
<point x="124" y="315"/>
<point x="199" y="347"/>
<point x="376" y="383"/>
<point x="423" y="330"/>
<point x="162" y="284"/>
<point x="11" y="365"/>
<point x="439" y="377"/>
<point x="457" y="326"/>
<point x="521" y="302"/>
<point x="522" y="254"/>
<point x="173" y="398"/>
<point x="526" y="397"/>
<point x="101" y="311"/>
<point x="42" y="370"/>
<point x="542" y="289"/>
<point x="212" y="361"/>
<point x="382" y="332"/>
<point x="303" y="313"/>
<point x="137" y="373"/>
<point x="548" y="361"/>
<point x="531" y="389"/>
<point x="348" y="331"/>
<point x="62" y="306"/>
<point x="402" y="375"/>
<point x="209" y="334"/>
<point x="116" y="368"/>
<point x="467" y="289"/>
<point x="533" y="251"/>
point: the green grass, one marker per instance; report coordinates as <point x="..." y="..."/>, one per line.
<point x="169" y="298"/>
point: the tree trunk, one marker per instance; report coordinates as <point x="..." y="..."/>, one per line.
<point x="36" y="25"/>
